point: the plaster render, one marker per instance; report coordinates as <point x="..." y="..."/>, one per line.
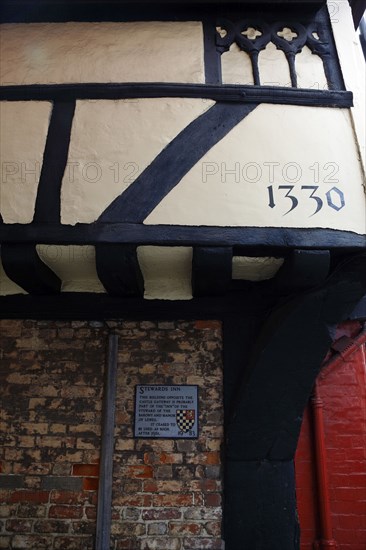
<point x="74" y="265"/>
<point x="273" y="67"/>
<point x="255" y="269"/>
<point x="7" y="286"/>
<point x="310" y="70"/>
<point x="236" y="67"/>
<point x="23" y="132"/>
<point x="307" y="143"/>
<point x="55" y="53"/>
<point x="112" y="142"/>
<point x="167" y="272"/>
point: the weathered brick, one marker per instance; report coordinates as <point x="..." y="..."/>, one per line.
<point x="184" y="529"/>
<point x="161" y="514"/>
<point x="140" y="472"/>
<point x="161" y="543"/>
<point x="74" y="543"/>
<point x="202" y="544"/>
<point x="173" y="500"/>
<point x="156" y="481"/>
<point x="157" y="529"/>
<point x="90" y="484"/>
<point x="128" y="528"/>
<point x="28" y="510"/>
<point x="11" y="481"/>
<point x="67" y="512"/>
<point x="61" y="483"/>
<point x="18" y="525"/>
<point x="51" y="526"/>
<point x="30" y="496"/>
<point x="31" y="541"/>
<point x="5" y="542"/>
<point x="89" y="470"/>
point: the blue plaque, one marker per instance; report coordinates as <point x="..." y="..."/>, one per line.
<point x="166" y="412"/>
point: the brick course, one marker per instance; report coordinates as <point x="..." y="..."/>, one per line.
<point x="166" y="493"/>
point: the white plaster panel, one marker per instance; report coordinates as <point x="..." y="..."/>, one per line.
<point x="255" y="268"/>
<point x="310" y="70"/>
<point x="112" y="142"/>
<point x="74" y="265"/>
<point x="236" y="67"/>
<point x="273" y="67"/>
<point x="167" y="272"/>
<point x="7" y="286"/>
<point x="47" y="53"/>
<point x="274" y="145"/>
<point x="23" y="133"/>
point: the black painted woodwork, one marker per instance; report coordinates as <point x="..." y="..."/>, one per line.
<point x="230" y="93"/>
<point x="22" y="265"/>
<point x="212" y="56"/>
<point x="265" y="411"/>
<point x="211" y="270"/>
<point x="358" y="9"/>
<point x="261" y="510"/>
<point x="112" y="10"/>
<point x="172" y="164"/>
<point x="269" y="25"/>
<point x="89" y="305"/>
<point x="104" y="508"/>
<point x="118" y="269"/>
<point x="360" y="310"/>
<point x="182" y="235"/>
<point x="47" y="207"/>
<point x="290" y="347"/>
<point x="302" y="269"/>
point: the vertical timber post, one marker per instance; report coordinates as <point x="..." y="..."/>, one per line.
<point x="103" y="531"/>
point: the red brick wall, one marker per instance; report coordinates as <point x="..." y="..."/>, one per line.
<point x="51" y="387"/>
<point x="166" y="493"/>
<point x="343" y="392"/>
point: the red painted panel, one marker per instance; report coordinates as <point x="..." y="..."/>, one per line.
<point x="343" y="392"/>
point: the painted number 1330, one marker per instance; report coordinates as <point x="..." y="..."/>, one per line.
<point x="334" y="197"/>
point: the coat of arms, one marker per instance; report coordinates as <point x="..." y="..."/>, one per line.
<point x="185" y="419"/>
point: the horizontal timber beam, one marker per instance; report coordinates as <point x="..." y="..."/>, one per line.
<point x="180" y="235"/>
<point x="228" y="93"/>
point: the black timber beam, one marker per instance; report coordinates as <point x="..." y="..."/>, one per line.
<point x="229" y="93"/>
<point x="87" y="305"/>
<point x="301" y="270"/>
<point x="211" y="270"/>
<point x="118" y="269"/>
<point x="266" y="410"/>
<point x="22" y="265"/>
<point x="358" y="9"/>
<point x="119" y="10"/>
<point x="181" y="235"/>
<point x="48" y="207"/>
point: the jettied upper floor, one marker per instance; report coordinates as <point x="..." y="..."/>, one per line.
<point x="168" y="129"/>
<point x="185" y="151"/>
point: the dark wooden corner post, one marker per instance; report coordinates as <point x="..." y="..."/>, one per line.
<point x="264" y="409"/>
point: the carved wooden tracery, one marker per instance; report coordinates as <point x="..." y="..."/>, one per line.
<point x="253" y="36"/>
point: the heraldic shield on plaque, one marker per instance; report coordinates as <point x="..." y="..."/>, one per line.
<point x="166" y="411"/>
<point x="185" y="419"/>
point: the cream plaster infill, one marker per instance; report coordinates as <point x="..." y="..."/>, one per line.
<point x="23" y="133"/>
<point x="74" y="265"/>
<point x="112" y="142"/>
<point x="56" y="53"/>
<point x="239" y="182"/>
